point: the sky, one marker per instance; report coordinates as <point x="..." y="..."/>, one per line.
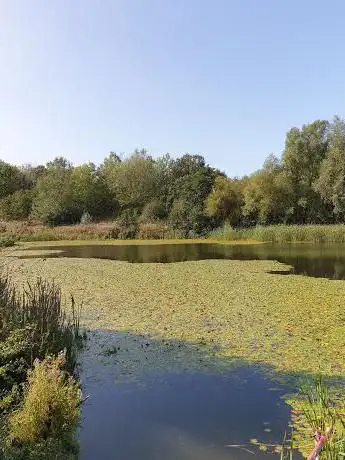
<point x="222" y="78"/>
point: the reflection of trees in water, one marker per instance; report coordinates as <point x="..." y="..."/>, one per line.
<point x="312" y="260"/>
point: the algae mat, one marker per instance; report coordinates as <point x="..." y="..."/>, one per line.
<point x="223" y="311"/>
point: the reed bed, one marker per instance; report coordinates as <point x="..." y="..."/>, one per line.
<point x="283" y="233"/>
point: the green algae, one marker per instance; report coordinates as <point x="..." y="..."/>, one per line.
<point x="291" y="324"/>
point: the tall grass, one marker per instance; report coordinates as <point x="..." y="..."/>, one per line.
<point x="34" y="325"/>
<point x="320" y="414"/>
<point x="283" y="233"/>
<point x="37" y="320"/>
<point x="10" y="232"/>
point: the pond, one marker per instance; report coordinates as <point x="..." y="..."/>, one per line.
<point x="192" y="413"/>
<point x="178" y="415"/>
<point x="326" y="261"/>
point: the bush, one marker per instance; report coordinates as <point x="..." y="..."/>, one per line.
<point x="51" y="406"/>
<point x="152" y="212"/>
<point x="16" y="206"/>
<point x="7" y="241"/>
<point x="127" y="224"/>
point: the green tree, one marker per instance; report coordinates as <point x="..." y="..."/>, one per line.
<point x="192" y="181"/>
<point x="131" y="181"/>
<point x="53" y="199"/>
<point x="89" y="192"/>
<point x="263" y="195"/>
<point x="225" y="201"/>
<point x="16" y="206"/>
<point x="11" y="179"/>
<point x="304" y="152"/>
<point x="331" y="181"/>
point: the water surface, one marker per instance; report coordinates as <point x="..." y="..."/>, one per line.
<point x="327" y="261"/>
<point x="188" y="415"/>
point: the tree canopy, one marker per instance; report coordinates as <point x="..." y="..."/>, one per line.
<point x="305" y="184"/>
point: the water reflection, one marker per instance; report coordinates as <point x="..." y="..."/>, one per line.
<point x="327" y="261"/>
<point x="189" y="415"/>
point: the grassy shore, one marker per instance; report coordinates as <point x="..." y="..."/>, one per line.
<point x="283" y="234"/>
<point x="39" y="398"/>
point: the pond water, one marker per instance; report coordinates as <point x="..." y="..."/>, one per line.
<point x="327" y="261"/>
<point x="186" y="415"/>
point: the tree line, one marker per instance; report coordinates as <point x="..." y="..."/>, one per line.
<point x="306" y="184"/>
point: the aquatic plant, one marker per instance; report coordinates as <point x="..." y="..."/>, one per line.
<point x="318" y="414"/>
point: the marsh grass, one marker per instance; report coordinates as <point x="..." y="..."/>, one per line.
<point x="318" y="411"/>
<point x="27" y="232"/>
<point x="34" y="325"/>
<point x="283" y="233"/>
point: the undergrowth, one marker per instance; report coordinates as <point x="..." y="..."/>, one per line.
<point x="33" y="325"/>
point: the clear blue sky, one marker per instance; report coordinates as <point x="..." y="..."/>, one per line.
<point x="224" y="78"/>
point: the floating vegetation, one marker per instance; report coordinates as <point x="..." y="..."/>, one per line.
<point x="210" y="314"/>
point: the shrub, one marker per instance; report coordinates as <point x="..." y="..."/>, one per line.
<point x="127" y="224"/>
<point x="51" y="402"/>
<point x="152" y="212"/>
<point x="16" y="206"/>
<point x="50" y="410"/>
<point x="7" y="241"/>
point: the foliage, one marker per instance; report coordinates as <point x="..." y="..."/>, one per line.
<point x="50" y="410"/>
<point x="331" y="181"/>
<point x="152" y="212"/>
<point x="11" y="179"/>
<point x="16" y="206"/>
<point x="318" y="411"/>
<point x="33" y="325"/>
<point x="263" y="194"/>
<point x="303" y="185"/>
<point x="132" y="180"/>
<point x="7" y="241"/>
<point x="225" y="201"/>
<point x="127" y="224"/>
<point x="52" y="203"/>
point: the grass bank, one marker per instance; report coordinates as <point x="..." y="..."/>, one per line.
<point x="283" y="234"/>
<point x="37" y="389"/>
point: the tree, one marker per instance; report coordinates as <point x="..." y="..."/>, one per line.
<point x="225" y="201"/>
<point x="304" y="152"/>
<point x="11" y="179"/>
<point x="263" y="195"/>
<point x="16" y="206"/>
<point x="31" y="174"/>
<point x="89" y="192"/>
<point x="52" y="202"/>
<point x="131" y="181"/>
<point x="331" y="181"/>
<point x="192" y="181"/>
